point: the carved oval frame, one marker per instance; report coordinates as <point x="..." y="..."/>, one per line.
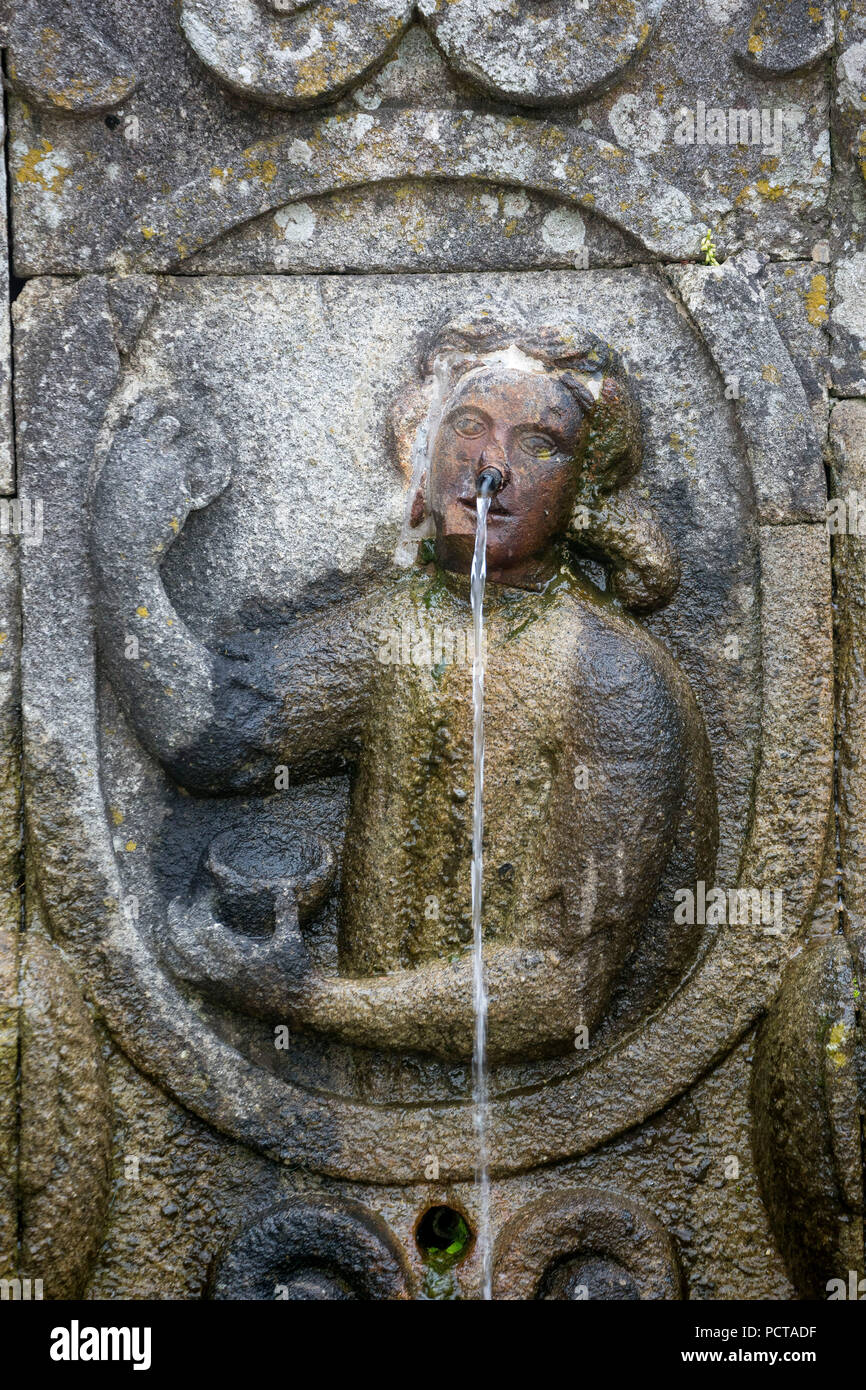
<point x="726" y="989"/>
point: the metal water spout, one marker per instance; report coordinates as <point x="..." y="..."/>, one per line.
<point x="489" y="482"/>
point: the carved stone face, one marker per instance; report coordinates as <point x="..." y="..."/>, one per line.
<point x="529" y="426"/>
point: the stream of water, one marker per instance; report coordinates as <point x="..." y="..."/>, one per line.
<point x="479" y="986"/>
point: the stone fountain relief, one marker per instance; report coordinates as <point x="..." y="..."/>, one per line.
<point x="249" y="777"/>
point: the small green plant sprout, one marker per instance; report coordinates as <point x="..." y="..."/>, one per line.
<point x="443" y="1234"/>
<point x="708" y="246"/>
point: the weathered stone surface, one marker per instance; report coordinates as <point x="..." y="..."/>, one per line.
<point x="8" y="1092"/>
<point x="10" y="902"/>
<point x="785" y="453"/>
<point x="848" y="207"/>
<point x="84" y="187"/>
<point x="790" y="826"/>
<point x="10" y="715"/>
<point x="539" y="58"/>
<point x="322" y="1249"/>
<point x="785" y="37"/>
<point x="848" y="325"/>
<point x="284" y="58"/>
<point x="345" y="150"/>
<point x="64" y="60"/>
<point x="7" y="450"/>
<point x="248" y="831"/>
<point x="197" y="323"/>
<point x="847" y="521"/>
<point x="183" y="1191"/>
<point x="65" y="1128"/>
<point x="560" y="1246"/>
<point x="8" y="1099"/>
<point x="848" y="202"/>
<point x="807" y="1108"/>
<point x="798" y="297"/>
<point x="420" y="226"/>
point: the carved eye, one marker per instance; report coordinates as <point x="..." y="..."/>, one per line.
<point x="467" y="424"/>
<point x="539" y="446"/>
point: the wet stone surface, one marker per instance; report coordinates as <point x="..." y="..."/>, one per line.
<point x="288" y="278"/>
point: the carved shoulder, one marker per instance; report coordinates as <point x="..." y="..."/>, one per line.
<point x="634" y="697"/>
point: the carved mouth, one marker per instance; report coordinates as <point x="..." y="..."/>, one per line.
<point x="496" y="507"/>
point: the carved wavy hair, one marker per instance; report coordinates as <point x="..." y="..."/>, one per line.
<point x="616" y="528"/>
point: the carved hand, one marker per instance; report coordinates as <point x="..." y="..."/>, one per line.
<point x="159" y="468"/>
<point x="156" y="472"/>
<point x="267" y="978"/>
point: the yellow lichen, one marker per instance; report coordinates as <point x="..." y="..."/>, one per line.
<point x="263" y="169"/>
<point x="816" y="300"/>
<point x="769" y="190"/>
<point x="836" y="1044"/>
<point x="39" y="167"/>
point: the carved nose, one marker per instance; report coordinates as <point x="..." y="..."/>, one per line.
<point x="493" y="471"/>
